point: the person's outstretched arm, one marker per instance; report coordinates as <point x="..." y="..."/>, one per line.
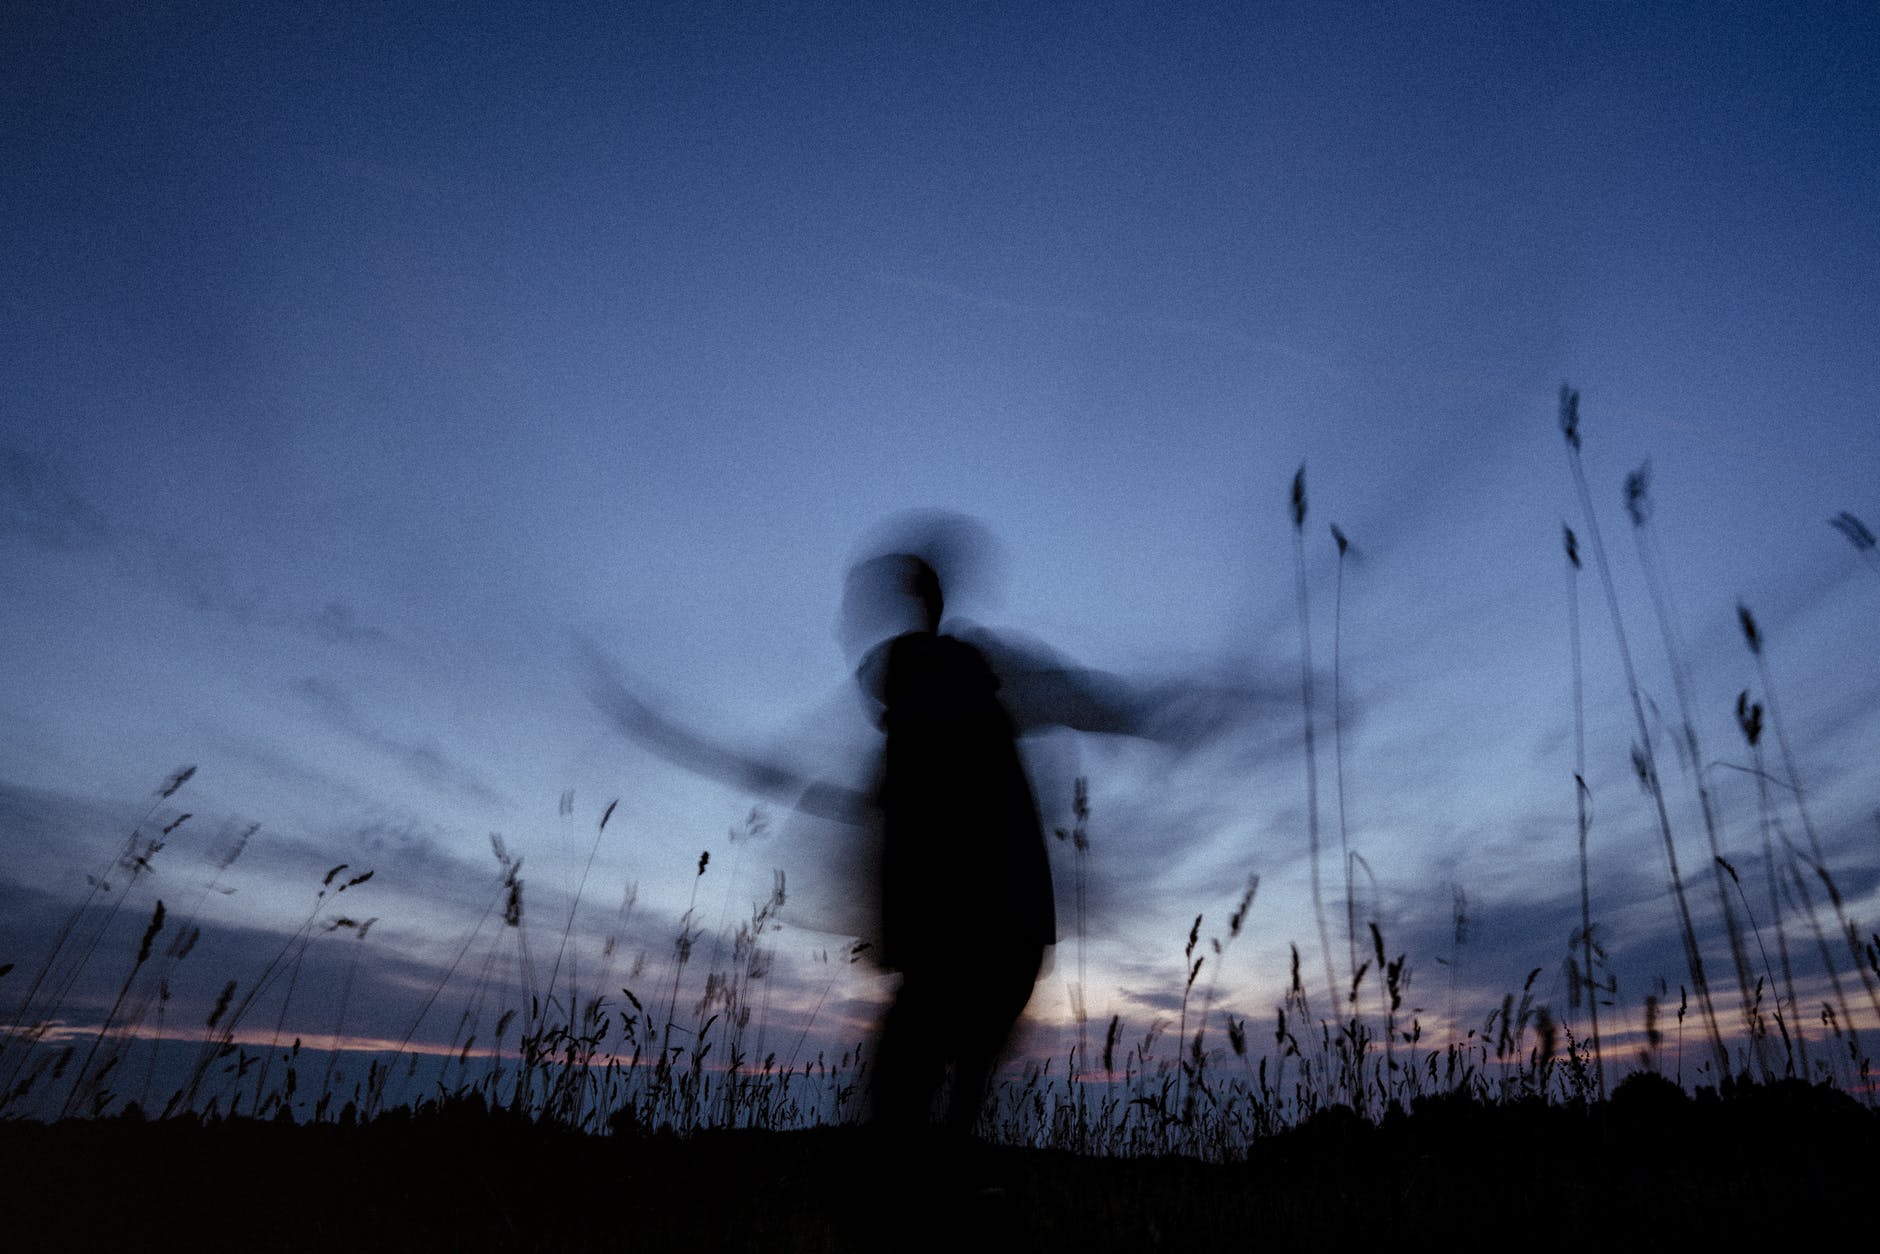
<point x="1041" y="688"/>
<point x="687" y="748"/>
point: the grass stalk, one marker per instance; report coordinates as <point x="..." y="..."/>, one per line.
<point x="1338" y="747"/>
<point x="104" y="1029"/>
<point x="1648" y="770"/>
<point x="1589" y="979"/>
<point x="36" y="1012"/>
<point x="1639" y="508"/>
<point x="1753" y="636"/>
<point x="1749" y="718"/>
<point x="1312" y="770"/>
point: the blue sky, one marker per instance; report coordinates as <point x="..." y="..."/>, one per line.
<point x="357" y="359"/>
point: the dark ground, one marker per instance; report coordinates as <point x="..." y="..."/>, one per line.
<point x="1650" y="1165"/>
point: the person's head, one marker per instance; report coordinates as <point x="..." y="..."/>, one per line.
<point x="923" y="584"/>
<point x="907" y="570"/>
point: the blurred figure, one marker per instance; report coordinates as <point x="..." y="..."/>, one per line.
<point x="948" y="868"/>
<point x="965" y="893"/>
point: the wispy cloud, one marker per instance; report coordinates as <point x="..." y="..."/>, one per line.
<point x="39" y="503"/>
<point x="1206" y="329"/>
<point x="337" y="622"/>
<point x="424" y="760"/>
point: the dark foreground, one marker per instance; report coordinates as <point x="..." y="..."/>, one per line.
<point x="1647" y="1166"/>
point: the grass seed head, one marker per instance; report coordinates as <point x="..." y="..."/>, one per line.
<point x="1638" y="498"/>
<point x="512" y="894"/>
<point x="176" y="781"/>
<point x="227" y="858"/>
<point x="1642" y="768"/>
<point x="1239" y="916"/>
<point x="150" y="933"/>
<point x="1570" y="416"/>
<point x="184" y="942"/>
<point x="1855" y="531"/>
<point x="1749" y="717"/>
<point x="1750" y="634"/>
<point x="221" y="1003"/>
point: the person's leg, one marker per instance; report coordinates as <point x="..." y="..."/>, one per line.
<point x="910" y="1058"/>
<point x="987" y="1004"/>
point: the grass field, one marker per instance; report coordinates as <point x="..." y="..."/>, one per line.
<point x="584" y="1115"/>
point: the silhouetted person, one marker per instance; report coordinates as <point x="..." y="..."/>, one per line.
<point x="966" y="901"/>
<point x="949" y="832"/>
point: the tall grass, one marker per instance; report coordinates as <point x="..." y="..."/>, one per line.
<point x="1638" y="507"/>
<point x="1298" y="512"/>
<point x="611" y="1068"/>
<point x="1077" y="836"/>
<point x="1585" y="979"/>
<point x="76" y="941"/>
<point x="1644" y="760"/>
<point x="1849" y="930"/>
<point x="1749" y="719"/>
<point x="1338" y="748"/>
<point x="582" y="1049"/>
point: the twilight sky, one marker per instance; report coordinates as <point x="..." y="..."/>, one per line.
<point x="358" y="359"/>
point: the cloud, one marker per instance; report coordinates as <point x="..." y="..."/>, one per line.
<point x="51" y="835"/>
<point x="39" y="503"/>
<point x="36" y="502"/>
<point x="1207" y="329"/>
<point x="424" y="761"/>
<point x="203" y="579"/>
<point x="1163" y="1001"/>
<point x="407" y="856"/>
<point x="336" y="623"/>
